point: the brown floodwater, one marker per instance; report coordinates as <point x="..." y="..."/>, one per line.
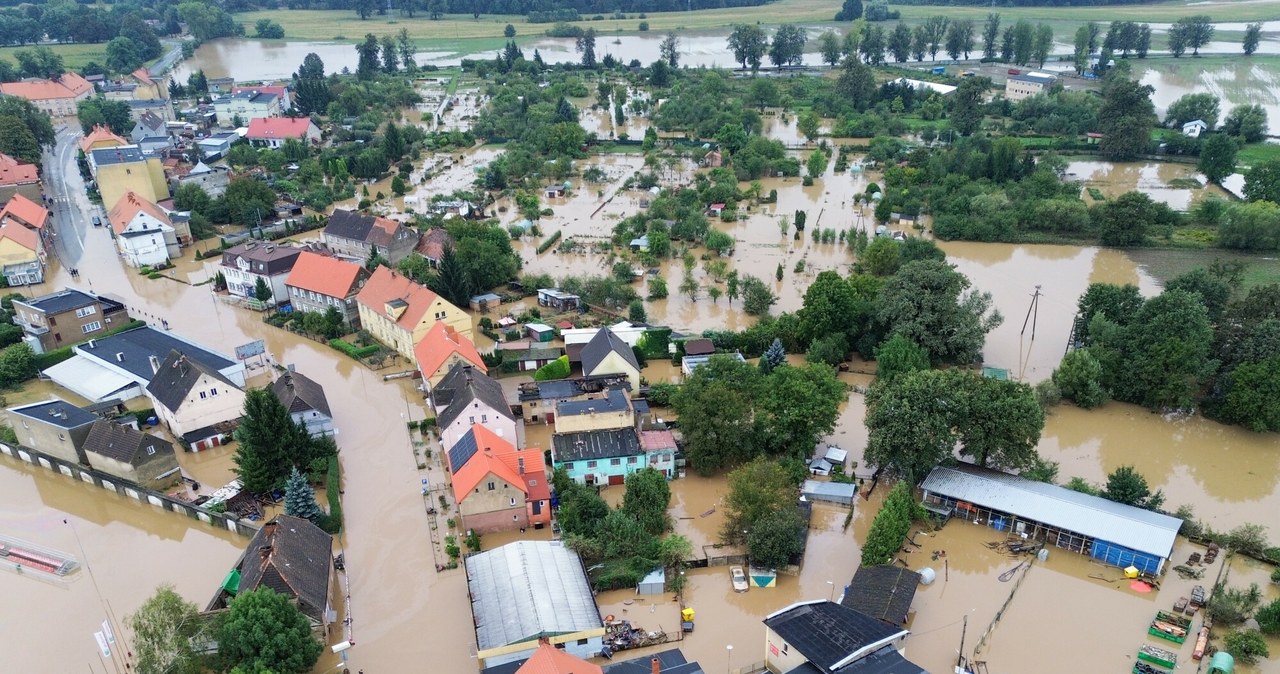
<point x="1238" y="82"/>
<point x="1154" y="179"/>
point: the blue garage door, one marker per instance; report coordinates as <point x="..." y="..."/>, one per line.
<point x="1118" y="555"/>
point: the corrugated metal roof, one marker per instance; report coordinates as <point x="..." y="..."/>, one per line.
<point x="526" y="589"/>
<point x="831" y="489"/>
<point x="1095" y="517"/>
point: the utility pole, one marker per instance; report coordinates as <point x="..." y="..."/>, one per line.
<point x="1033" y="313"/>
<point x="960" y="654"/>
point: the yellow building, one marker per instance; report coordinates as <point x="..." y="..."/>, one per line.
<point x="100" y="137"/>
<point x="399" y="312"/>
<point x="610" y="411"/>
<point x="120" y="170"/>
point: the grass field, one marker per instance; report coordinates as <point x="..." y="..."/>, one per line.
<point x="74" y="56"/>
<point x="1167" y="263"/>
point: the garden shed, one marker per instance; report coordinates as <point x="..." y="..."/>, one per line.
<point x="654" y="583"/>
<point x="829" y="492"/>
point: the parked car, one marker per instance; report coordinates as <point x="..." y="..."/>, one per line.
<point x="739" y="579"/>
<point x="97" y="221"/>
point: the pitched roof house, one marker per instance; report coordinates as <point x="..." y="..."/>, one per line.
<point x="23" y="211"/>
<point x="57" y="97"/>
<point x="243" y="265"/>
<point x="884" y="592"/>
<point x="353" y="234"/>
<point x="606" y="353"/>
<point x="318" y="282"/>
<point x="306" y="402"/>
<point x="21" y="254"/>
<point x="143" y="231"/>
<point x="100" y="137"/>
<point x="432" y="244"/>
<point x="274" y="131"/>
<point x="18" y="178"/>
<point x="467" y="396"/>
<point x="130" y="454"/>
<point x="399" y="312"/>
<point x="293" y="557"/>
<point x="440" y="349"/>
<point x="823" y="637"/>
<point x="197" y="403"/>
<point x="497" y="486"/>
<point x="149" y="125"/>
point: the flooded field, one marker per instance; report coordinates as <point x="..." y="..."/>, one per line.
<point x="1164" y="182"/>
<point x="1235" y="82"/>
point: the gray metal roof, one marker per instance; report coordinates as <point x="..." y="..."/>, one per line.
<point x="528" y="589"/>
<point x="833" y="489"/>
<point x="125" y="154"/>
<point x="1092" y="516"/>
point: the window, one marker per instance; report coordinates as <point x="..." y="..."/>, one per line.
<point x="631" y="460"/>
<point x="533" y="483"/>
<point x="91" y="327"/>
<point x="615" y="462"/>
<point x="513" y="501"/>
<point x="484" y="418"/>
<point x="203" y="395"/>
<point x="213" y="391"/>
<point x="582" y="642"/>
<point x="567" y="466"/>
<point x="492" y="486"/>
<point x="151" y="449"/>
<point x="86" y="311"/>
<point x="591" y="464"/>
<point x="440" y="315"/>
<point x="472" y="420"/>
<point x="62" y="437"/>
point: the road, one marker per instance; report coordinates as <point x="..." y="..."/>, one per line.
<point x="68" y="200"/>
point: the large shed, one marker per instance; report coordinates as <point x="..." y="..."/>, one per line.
<point x="831" y="492"/>
<point x="1113" y="533"/>
<point x="530" y="590"/>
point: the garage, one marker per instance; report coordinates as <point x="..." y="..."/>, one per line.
<point x="617" y="479"/>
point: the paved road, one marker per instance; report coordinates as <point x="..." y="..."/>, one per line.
<point x="72" y="211"/>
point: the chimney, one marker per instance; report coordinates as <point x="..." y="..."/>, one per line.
<point x="155" y="364"/>
<point x="657" y="666"/>
<point x="119" y="356"/>
<point x="265" y="551"/>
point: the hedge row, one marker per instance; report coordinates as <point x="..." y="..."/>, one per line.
<point x="352" y="350"/>
<point x="551" y="241"/>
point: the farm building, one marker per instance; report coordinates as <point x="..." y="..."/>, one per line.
<point x="841" y="493"/>
<point x="1110" y="532"/>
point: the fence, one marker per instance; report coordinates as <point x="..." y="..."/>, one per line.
<point x="129" y="489"/>
<point x="982" y="641"/>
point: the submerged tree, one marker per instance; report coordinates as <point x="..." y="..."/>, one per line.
<point x="164" y="629"/>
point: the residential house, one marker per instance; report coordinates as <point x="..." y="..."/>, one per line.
<point x="398" y="312"/>
<point x="1026" y="85"/>
<point x="144" y="233"/>
<point x="355" y="235"/>
<point x="558" y="299"/>
<point x="212" y="179"/>
<point x="272" y="132"/>
<point x="216" y="145"/>
<point x="130" y="454"/>
<point x="293" y="557"/>
<point x="823" y="637"/>
<point x="306" y="402"/>
<point x="432" y="244"/>
<point x="155" y="146"/>
<point x="56" y="97"/>
<point x="576" y="339"/>
<point x="18" y="179"/>
<point x="30" y="214"/>
<point x="441" y="349"/>
<point x="221" y="85"/>
<point x="244" y="106"/>
<point x="280" y="90"/>
<point x="148" y="87"/>
<point x="149" y="125"/>
<point x="196" y="402"/>
<point x="883" y="592"/>
<point x="1194" y="128"/>
<point x="539" y="398"/>
<point x="66" y="317"/>
<point x="466" y="397"/>
<point x="715" y="210"/>
<point x="496" y="486"/>
<point x="532" y="358"/>
<point x="158" y="107"/>
<point x="245" y="264"/>
<point x="551" y="660"/>
<point x="612" y="410"/>
<point x="660" y="451"/>
<point x="319" y="282"/>
<point x="100" y="137"/>
<point x="22" y="255"/>
<point x="120" y="366"/>
<point x="124" y="169"/>
<point x="552" y="600"/>
<point x="600" y="456"/>
<point x="713" y="159"/>
<point x="54" y="426"/>
<point x="485" y="301"/>
<point x="606" y="353"/>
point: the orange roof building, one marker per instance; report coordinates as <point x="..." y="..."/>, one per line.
<point x="25" y="212"/>
<point x="144" y="233"/>
<point x="551" y="660"/>
<point x="497" y="486"/>
<point x="318" y="282"/>
<point x="57" y="97"/>
<point x="21" y="254"/>
<point x="101" y="137"/>
<point x="399" y="312"/>
<point x="441" y="349"/>
<point x="15" y="174"/>
<point x="274" y="131"/>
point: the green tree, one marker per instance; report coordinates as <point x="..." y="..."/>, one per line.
<point x="657" y="288"/>
<point x="756" y="296"/>
<point x="123" y="55"/>
<point x="1125" y="118"/>
<point x="1079" y="378"/>
<point x="756" y="489"/>
<point x="910" y="420"/>
<point x="830" y="308"/>
<point x="830" y="350"/>
<point x="807" y="125"/>
<point x="1196" y="30"/>
<point x="247" y="201"/>
<point x="1268" y="618"/>
<point x="1165" y="352"/>
<point x="35" y="120"/>
<point x="881" y="257"/>
<point x="164" y="629"/>
<point x="1123" y="222"/>
<point x="1247" y="646"/>
<point x="1252" y="35"/>
<point x="897" y="356"/>
<point x="1217" y="157"/>
<point x="774" y="538"/>
<point x="670" y="50"/>
<point x="586" y="45"/>
<point x="930" y="303"/>
<point x="829" y="48"/>
<point x="1126" y="485"/>
<point x="636" y="312"/>
<point x="967" y="104"/>
<point x="112" y="114"/>
<point x="1213" y="290"/>
<point x="1247" y="122"/>
<point x="300" y="499"/>
<point x="270" y="443"/>
<point x="748" y="44"/>
<point x="715" y="406"/>
<point x="451" y="281"/>
<point x="261" y="291"/>
<point x="1262" y="182"/>
<point x="990" y="33"/>
<point x="646" y="499"/>
<point x="17" y="364"/>
<point x="890" y="526"/>
<point x="796" y="407"/>
<point x="266" y="631"/>
<point x="16" y="140"/>
<point x="1253" y="396"/>
<point x="268" y="30"/>
<point x="787" y="48"/>
<point x="368" y="65"/>
<point x="1000" y="423"/>
<point x="509" y="32"/>
<point x="1190" y="107"/>
<point x="850" y="10"/>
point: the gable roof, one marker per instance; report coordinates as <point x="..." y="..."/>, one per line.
<point x="596" y="445"/>
<point x="614" y="400"/>
<point x="601" y="345"/>
<point x="481" y="453"/>
<point x="1092" y="516"/>
<point x="669" y="662"/>
<point x="271" y="128"/>
<point x="883" y="592"/>
<point x="56" y="413"/>
<point x="433" y="243"/>
<point x="556" y="389"/>
<point x="177" y="374"/>
<point x="528" y="589"/>
<point x="122" y="443"/>
<point x="150" y="120"/>
<point x="62" y="301"/>
<point x="326" y="275"/>
<point x="829" y="635"/>
<point x="66" y="85"/>
<point x="129" y="206"/>
<point x="14" y="172"/>
<point x="463" y="385"/>
<point x="278" y="89"/>
<point x="441" y="342"/>
<point x="699" y="347"/>
<point x="299" y="393"/>
<point x="385" y="232"/>
<point x="293" y="557"/>
<point x="131" y="350"/>
<point x="346" y="224"/>
<point x="386" y="285"/>
<point x="25" y="211"/>
<point x="551" y="660"/>
<point x="266" y="259"/>
<point x="20" y="235"/>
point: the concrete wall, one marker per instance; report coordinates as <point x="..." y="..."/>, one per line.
<point x="53" y="440"/>
<point x="487" y="510"/>
<point x="615" y="364"/>
<point x="304" y="300"/>
<point x="148" y="471"/>
<point x="434" y="378"/>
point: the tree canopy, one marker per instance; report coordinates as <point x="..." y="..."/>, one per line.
<point x="264" y="630"/>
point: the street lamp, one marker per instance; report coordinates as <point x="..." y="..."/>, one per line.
<point x="728" y="662"/>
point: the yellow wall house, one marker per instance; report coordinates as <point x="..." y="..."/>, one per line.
<point x="194" y="400"/>
<point x="598" y="413"/>
<point x="99" y="138"/>
<point x="399" y="312"/>
<point x="124" y="169"/>
<point x="21" y="255"/>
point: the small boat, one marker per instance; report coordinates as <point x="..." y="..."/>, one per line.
<point x="739" y="577"/>
<point x="1202" y="643"/>
<point x="1180" y="605"/>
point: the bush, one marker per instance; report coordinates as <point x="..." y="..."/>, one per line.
<point x="354" y="351"/>
<point x="660" y="393"/>
<point x="1247" y="646"/>
<point x="1248" y="539"/>
<point x="1232" y="606"/>
<point x="333" y="521"/>
<point x="556" y="369"/>
<point x="550" y="241"/>
<point x="890" y="526"/>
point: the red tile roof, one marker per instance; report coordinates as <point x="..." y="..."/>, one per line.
<point x="101" y="133"/>
<point x="325" y="275"/>
<point x="432" y="244"/>
<point x="272" y="128"/>
<point x="498" y="457"/>
<point x="441" y="342"/>
<point x="386" y="285"/>
<point x="277" y="89"/>
<point x="68" y="85"/>
<point x="21" y="235"/>
<point x="27" y="212"/>
<point x="551" y="660"/>
<point x="143" y="76"/>
<point x="128" y="207"/>
<point x="14" y="172"/>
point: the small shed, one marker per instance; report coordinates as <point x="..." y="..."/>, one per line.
<point x="714" y="210"/>
<point x="640" y="244"/>
<point x="820" y="466"/>
<point x="555" y="192"/>
<point x="1194" y="128"/>
<point x="540" y="332"/>
<point x="829" y="492"/>
<point x="836" y="456"/>
<point x="529" y="360"/>
<point x="485" y="302"/>
<point x="654" y="583"/>
<point x="1222" y="663"/>
<point x="700" y="346"/>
